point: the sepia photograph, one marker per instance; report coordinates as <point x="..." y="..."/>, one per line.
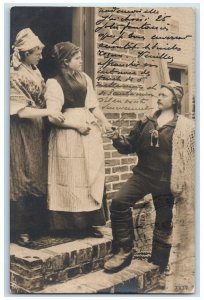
<point x="102" y="150"/>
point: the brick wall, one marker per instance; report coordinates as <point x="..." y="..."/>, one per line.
<point x="118" y="167"/>
<point x="119" y="70"/>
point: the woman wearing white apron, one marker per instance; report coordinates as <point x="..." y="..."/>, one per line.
<point x="76" y="157"/>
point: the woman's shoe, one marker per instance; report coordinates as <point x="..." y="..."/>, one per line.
<point x="94" y="232"/>
<point x="23" y="239"/>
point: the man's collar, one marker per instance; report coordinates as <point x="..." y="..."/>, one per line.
<point x="171" y="123"/>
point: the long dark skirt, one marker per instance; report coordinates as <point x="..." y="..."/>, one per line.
<point x="28" y="175"/>
<point x="28" y="215"/>
<point x="78" y="222"/>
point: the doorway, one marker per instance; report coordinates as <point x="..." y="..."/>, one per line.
<point x="50" y="24"/>
<point x="57" y="24"/>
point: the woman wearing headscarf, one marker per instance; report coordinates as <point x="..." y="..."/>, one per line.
<point x="76" y="157"/>
<point x="28" y="145"/>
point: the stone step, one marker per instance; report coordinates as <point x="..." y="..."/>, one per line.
<point x="32" y="270"/>
<point x="139" y="277"/>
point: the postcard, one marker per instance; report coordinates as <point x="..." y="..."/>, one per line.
<point x="102" y="150"/>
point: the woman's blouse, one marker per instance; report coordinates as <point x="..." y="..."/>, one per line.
<point x="27" y="88"/>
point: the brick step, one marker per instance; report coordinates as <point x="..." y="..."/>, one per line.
<point x="139" y="277"/>
<point x="32" y="270"/>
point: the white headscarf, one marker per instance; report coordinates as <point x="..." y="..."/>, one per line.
<point x="25" y="40"/>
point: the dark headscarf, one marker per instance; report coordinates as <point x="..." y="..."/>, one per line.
<point x="64" y="50"/>
<point x="73" y="83"/>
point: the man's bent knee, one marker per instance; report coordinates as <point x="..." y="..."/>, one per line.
<point x="119" y="204"/>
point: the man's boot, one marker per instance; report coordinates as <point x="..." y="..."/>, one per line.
<point x="119" y="261"/>
<point x="123" y="235"/>
<point x="162" y="234"/>
<point x="161" y="247"/>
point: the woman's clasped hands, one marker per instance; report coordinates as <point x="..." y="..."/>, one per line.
<point x="83" y="128"/>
